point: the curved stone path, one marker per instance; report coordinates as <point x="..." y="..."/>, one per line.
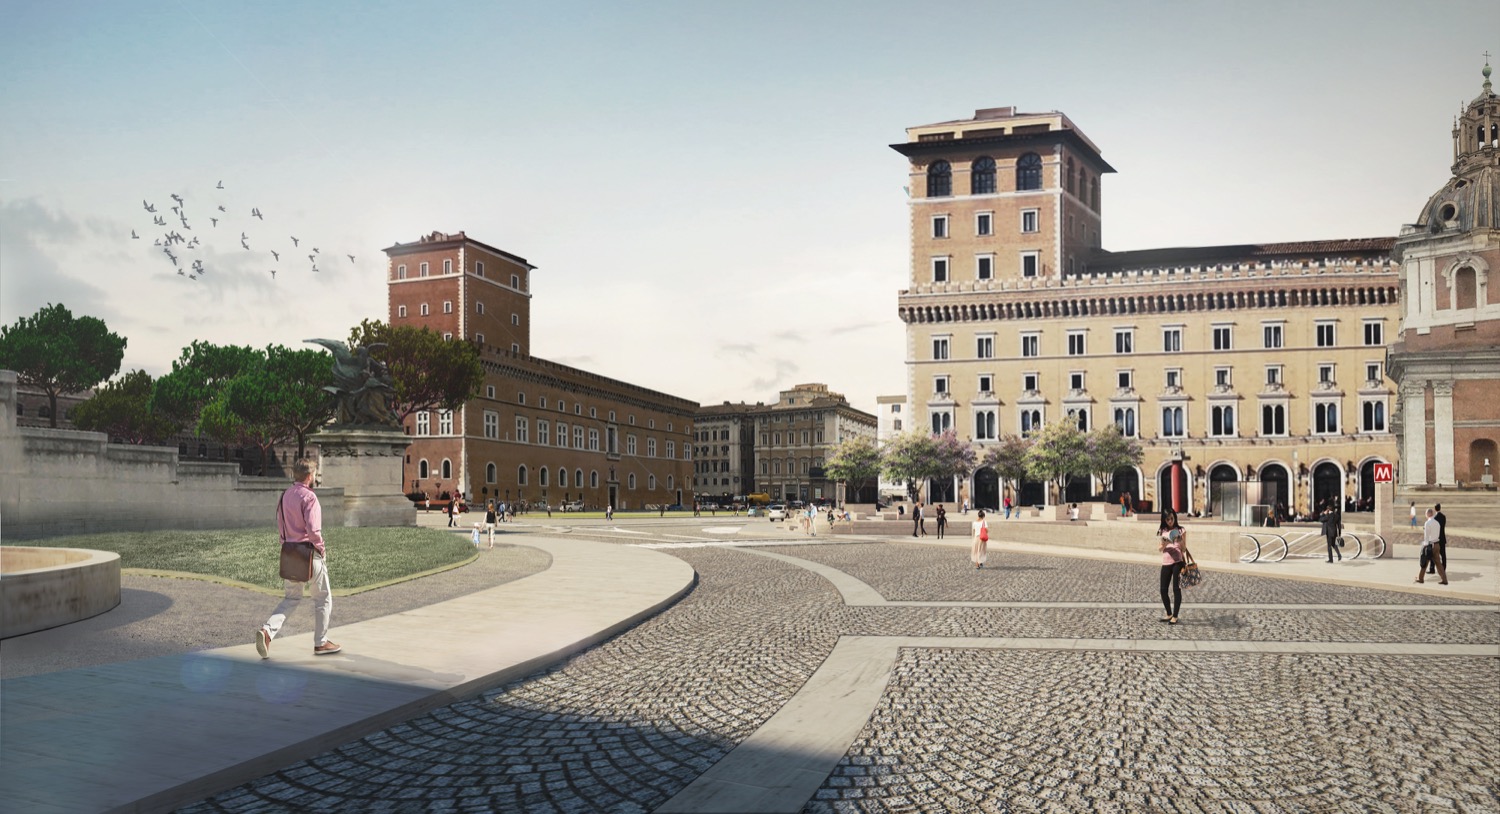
<point x="1045" y="683"/>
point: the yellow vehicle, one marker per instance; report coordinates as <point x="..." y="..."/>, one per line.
<point x="758" y="499"/>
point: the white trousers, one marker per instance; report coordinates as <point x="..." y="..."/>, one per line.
<point x="322" y="597"/>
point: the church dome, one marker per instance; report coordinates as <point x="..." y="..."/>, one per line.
<point x="1471" y="198"/>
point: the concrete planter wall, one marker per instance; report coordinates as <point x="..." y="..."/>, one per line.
<point x="42" y="588"/>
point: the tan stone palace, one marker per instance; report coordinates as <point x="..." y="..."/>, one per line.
<point x="1258" y="362"/>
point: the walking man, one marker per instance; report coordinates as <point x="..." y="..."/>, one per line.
<point x="916" y="520"/>
<point x="1441" y="550"/>
<point x="1430" y="536"/>
<point x="1333" y="526"/>
<point x="300" y="522"/>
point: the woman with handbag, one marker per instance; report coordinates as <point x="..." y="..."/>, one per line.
<point x="1174" y="554"/>
<point x="979" y="531"/>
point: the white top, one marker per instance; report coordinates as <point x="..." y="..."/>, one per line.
<point x="1431" y="531"/>
<point x="975" y="526"/>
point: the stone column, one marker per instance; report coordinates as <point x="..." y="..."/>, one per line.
<point x="1442" y="431"/>
<point x="1414" y="433"/>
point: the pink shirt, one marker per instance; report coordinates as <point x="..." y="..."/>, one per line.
<point x="301" y="518"/>
<point x="1172" y="553"/>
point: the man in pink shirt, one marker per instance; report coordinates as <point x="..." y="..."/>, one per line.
<point x="300" y="520"/>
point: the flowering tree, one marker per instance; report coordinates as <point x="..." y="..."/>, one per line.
<point x="955" y="457"/>
<point x="1057" y="453"/>
<point x="911" y="457"/>
<point x="1108" y="451"/>
<point x="856" y="460"/>
<point x="1008" y="459"/>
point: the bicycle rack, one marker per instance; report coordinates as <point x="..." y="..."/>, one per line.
<point x="1273" y="548"/>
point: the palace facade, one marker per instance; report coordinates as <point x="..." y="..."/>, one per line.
<point x="1253" y="362"/>
<point x="540" y="431"/>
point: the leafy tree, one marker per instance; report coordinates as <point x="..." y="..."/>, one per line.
<point x="1057" y="453"/>
<point x="1008" y="459"/>
<point x="198" y="377"/>
<point x="284" y="391"/>
<point x="122" y="409"/>
<point x="428" y="371"/>
<point x="856" y="460"/>
<point x="219" y="422"/>
<point x="955" y="457"/>
<point x="58" y="354"/>
<point x="911" y="457"/>
<point x="1107" y="451"/>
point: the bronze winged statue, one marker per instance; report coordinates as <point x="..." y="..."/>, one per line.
<point x="362" y="388"/>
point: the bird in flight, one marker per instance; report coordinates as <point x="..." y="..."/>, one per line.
<point x="255" y="213"/>
<point x="215" y="221"/>
<point x="134" y="236"/>
<point x="315" y="269"/>
<point x="220" y="186"/>
<point x="273" y="274"/>
<point x="149" y="207"/>
<point x="177" y="209"/>
<point x="192" y="276"/>
<point x="294" y="241"/>
<point x="156" y="242"/>
<point x="275" y="256"/>
<point x="170" y="256"/>
<point x="243" y="243"/>
<point x="315" y="250"/>
<point x="198" y="266"/>
<point x="351" y="257"/>
<point x="159" y="220"/>
<point x="313" y="258"/>
<point x="183" y="273"/>
<point x="193" y="242"/>
<point x="176" y="197"/>
<point x="222" y="209"/>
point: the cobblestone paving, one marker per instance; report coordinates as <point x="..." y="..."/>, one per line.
<point x="908" y="572"/>
<point x="1093" y="731"/>
<point x="628" y="724"/>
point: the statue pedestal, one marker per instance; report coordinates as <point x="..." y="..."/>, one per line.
<point x="366" y="463"/>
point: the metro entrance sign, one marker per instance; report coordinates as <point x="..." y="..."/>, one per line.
<point x="1383" y="473"/>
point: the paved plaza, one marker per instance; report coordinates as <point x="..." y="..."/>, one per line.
<point x="825" y="675"/>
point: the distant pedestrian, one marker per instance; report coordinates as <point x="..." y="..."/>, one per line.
<point x="452" y="513"/>
<point x="1008" y="505"/>
<point x="942" y="520"/>
<point x="1431" y="534"/>
<point x="475" y="536"/>
<point x="1073" y="512"/>
<point x="918" y="523"/>
<point x="1333" y="526"/>
<point x="1442" y="544"/>
<point x="609" y="512"/>
<point x="427" y="504"/>
<point x="299" y="521"/>
<point x="979" y="546"/>
<point x="1413" y="514"/>
<point x="489" y="521"/>
<point x="1124" y="504"/>
<point x="1174" y="553"/>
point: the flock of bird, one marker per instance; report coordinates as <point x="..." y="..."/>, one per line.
<point x="173" y="239"/>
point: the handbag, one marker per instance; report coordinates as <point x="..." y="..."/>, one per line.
<point x="984" y="533"/>
<point x="1191" y="577"/>
<point x="296" y="558"/>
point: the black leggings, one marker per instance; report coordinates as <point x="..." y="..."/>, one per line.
<point x="1171" y="575"/>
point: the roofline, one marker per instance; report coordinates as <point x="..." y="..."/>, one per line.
<point x="452" y="243"/>
<point x="912" y="149"/>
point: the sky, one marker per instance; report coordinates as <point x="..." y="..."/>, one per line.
<point x="706" y="188"/>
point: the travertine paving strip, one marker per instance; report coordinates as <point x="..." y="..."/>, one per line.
<point x="628" y="725"/>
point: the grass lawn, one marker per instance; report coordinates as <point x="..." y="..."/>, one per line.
<point x="359" y="558"/>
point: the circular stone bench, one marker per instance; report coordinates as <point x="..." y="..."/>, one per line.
<point x="47" y="587"/>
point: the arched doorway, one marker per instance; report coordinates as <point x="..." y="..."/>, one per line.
<point x="1275" y="491"/>
<point x="1480" y="451"/>
<point x="1367" y="484"/>
<point x="1164" y="490"/>
<point x="1126" y="481"/>
<point x="1222" y="501"/>
<point x="986" y="489"/>
<point x="1328" y="484"/>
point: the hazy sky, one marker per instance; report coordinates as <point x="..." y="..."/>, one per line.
<point x="705" y="187"/>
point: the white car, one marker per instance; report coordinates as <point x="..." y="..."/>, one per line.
<point x="575" y="506"/>
<point x="776" y="512"/>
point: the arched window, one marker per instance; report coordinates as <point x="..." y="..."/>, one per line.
<point x="1029" y="172"/>
<point x="489" y="473"/>
<point x="593" y="479"/>
<point x="521" y="475"/>
<point x="541" y="476"/>
<point x="671" y="482"/>
<point x="578" y="478"/>
<point x="982" y="176"/>
<point x="1465" y="288"/>
<point x="939" y="179"/>
<point x="632" y="480"/>
<point x="447" y="469"/>
<point x="422" y="471"/>
<point x="562" y="477"/>
<point x="1070" y="177"/>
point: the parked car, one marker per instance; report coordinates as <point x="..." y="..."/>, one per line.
<point x="575" y="506"/>
<point x="776" y="512"/>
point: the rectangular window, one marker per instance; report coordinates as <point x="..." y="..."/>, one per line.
<point x="1124" y="340"/>
<point x="479" y="338"/>
<point x="400" y="310"/>
<point x="445" y="422"/>
<point x="422" y="270"/>
<point x="515" y="281"/>
<point x="424" y="423"/>
<point x="1374" y="333"/>
<point x="1174" y="378"/>
<point x="562" y="434"/>
<point x="447" y="266"/>
<point x="1030" y="221"/>
<point x="1031" y="263"/>
<point x="489" y="391"/>
<point x="543" y="428"/>
<point x="986" y="347"/>
<point x="491" y="424"/>
<point x="423" y="309"/>
<point x="523" y="430"/>
<point x="1031" y="344"/>
<point x="939" y="386"/>
<point x="986" y="384"/>
<point x="1221" y="376"/>
<point x="478" y="307"/>
<point x="1030" y="382"/>
<point x="940" y="226"/>
<point x="1075" y="380"/>
<point x="984" y="266"/>
<point x="940" y="348"/>
<point x="984" y="224"/>
<point x="577" y="437"/>
<point x="1274" y="335"/>
<point x="447" y="306"/>
<point x="1325" y="374"/>
<point x="1325" y="334"/>
<point x="479" y="267"/>
<point x="1273" y="374"/>
<point x="1124" y="379"/>
<point x="401" y="272"/>
<point x="940" y="269"/>
<point x="1171" y="340"/>
<point x="1223" y="338"/>
<point x="593" y="440"/>
<point x="1076" y="343"/>
<point x="1372" y="372"/>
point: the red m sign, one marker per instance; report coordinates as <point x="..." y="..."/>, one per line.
<point x="1383" y="473"/>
